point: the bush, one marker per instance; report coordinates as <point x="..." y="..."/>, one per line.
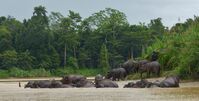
<point x="62" y="71"/>
<point x="41" y="72"/>
<point x="89" y="71"/>
<point x="72" y="62"/>
<point x="4" y="74"/>
<point x="82" y="71"/>
<point x="16" y="72"/>
<point x="179" y="52"/>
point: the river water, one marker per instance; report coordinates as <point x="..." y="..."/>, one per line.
<point x="9" y="91"/>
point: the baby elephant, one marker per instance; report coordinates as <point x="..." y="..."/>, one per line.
<point x="117" y="74"/>
<point x="104" y="83"/>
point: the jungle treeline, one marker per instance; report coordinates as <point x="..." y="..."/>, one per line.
<point x="50" y="43"/>
<point x="179" y="50"/>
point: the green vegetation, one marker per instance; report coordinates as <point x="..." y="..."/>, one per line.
<point x="57" y="45"/>
<point x="104" y="64"/>
<point x="41" y="72"/>
<point x="179" y="50"/>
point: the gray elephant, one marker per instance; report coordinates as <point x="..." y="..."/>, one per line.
<point x="129" y="85"/>
<point x="171" y="81"/>
<point x="139" y="84"/>
<point x="46" y="84"/>
<point x="85" y="84"/>
<point x="39" y="84"/>
<point x="66" y="86"/>
<point x="150" y="67"/>
<point x="31" y="84"/>
<point x="72" y="79"/>
<point x="58" y="84"/>
<point x="117" y="74"/>
<point x="130" y="66"/>
<point x="142" y="62"/>
<point x="104" y="83"/>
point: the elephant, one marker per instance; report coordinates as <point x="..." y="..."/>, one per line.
<point x="139" y="84"/>
<point x="142" y="62"/>
<point x="66" y="86"/>
<point x="171" y="81"/>
<point x="55" y="84"/>
<point x="104" y="83"/>
<point x="58" y="84"/>
<point x="31" y="84"/>
<point x="130" y="66"/>
<point x="150" y="67"/>
<point x="46" y="84"/>
<point x="39" y="84"/>
<point x="72" y="79"/>
<point x="129" y="85"/>
<point x="85" y="84"/>
<point x="117" y="74"/>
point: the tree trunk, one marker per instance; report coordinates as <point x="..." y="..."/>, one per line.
<point x="74" y="52"/>
<point x="131" y="53"/>
<point x="143" y="50"/>
<point x="64" y="55"/>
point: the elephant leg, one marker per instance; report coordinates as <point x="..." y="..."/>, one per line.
<point x="122" y="78"/>
<point x="141" y="75"/>
<point x="148" y="74"/>
<point x="158" y="72"/>
<point x="114" y="79"/>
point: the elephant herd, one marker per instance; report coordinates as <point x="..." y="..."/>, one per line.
<point x="128" y="67"/>
<point x="132" y="66"/>
<point x="79" y="81"/>
<point x="172" y="81"/>
<point x="68" y="81"/>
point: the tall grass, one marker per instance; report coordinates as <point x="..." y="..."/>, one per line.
<point x="81" y="71"/>
<point x="179" y="53"/>
<point x="19" y="73"/>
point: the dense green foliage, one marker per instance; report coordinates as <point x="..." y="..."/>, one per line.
<point x="179" y="50"/>
<point x="104" y="59"/>
<point x="51" y="44"/>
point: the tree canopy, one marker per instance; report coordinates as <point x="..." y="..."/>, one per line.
<point x="102" y="40"/>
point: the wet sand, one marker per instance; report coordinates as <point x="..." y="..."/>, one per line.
<point x="9" y="91"/>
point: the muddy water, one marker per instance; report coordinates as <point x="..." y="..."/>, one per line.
<point x="9" y="91"/>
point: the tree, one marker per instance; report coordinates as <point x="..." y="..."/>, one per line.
<point x="25" y="60"/>
<point x="55" y="20"/>
<point x="8" y="59"/>
<point x="36" y="37"/>
<point x="107" y="27"/>
<point x="104" y="64"/>
<point x="69" y="37"/>
<point x="157" y="27"/>
<point x="5" y="39"/>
